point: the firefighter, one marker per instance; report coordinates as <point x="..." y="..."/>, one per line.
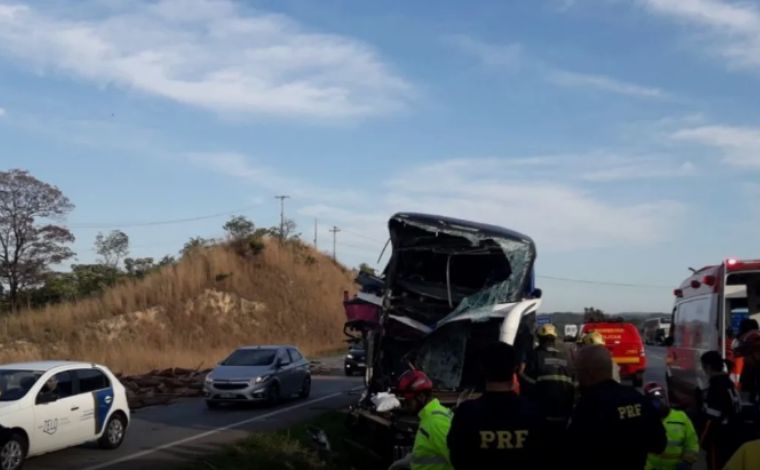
<point x="549" y="378"/>
<point x="683" y="443"/>
<point x="594" y="337"/>
<point x="720" y="411"/>
<point x="430" y="451"/>
<point x="500" y="429"/>
<point x="612" y="426"/>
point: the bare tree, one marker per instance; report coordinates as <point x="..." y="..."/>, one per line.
<point x="28" y="246"/>
<point x="112" y="247"/>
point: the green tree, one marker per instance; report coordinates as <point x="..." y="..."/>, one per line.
<point x="139" y="267"/>
<point x="93" y="278"/>
<point x="166" y="261"/>
<point x="29" y="242"/>
<point x="112" y="247"/>
<point x="194" y="244"/>
<point x="239" y="227"/>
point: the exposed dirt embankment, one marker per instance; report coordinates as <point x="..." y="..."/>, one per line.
<point x="190" y="315"/>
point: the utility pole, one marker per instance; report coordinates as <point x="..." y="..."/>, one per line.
<point x="334" y="231"/>
<point x="282" y="215"/>
<point x="316" y="230"/>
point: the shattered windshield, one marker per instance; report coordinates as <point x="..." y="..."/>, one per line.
<point x="520" y="257"/>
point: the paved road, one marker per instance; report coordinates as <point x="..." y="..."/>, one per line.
<point x="161" y="436"/>
<point x="655" y="365"/>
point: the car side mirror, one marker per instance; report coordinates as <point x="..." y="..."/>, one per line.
<point x="277" y="363"/>
<point x="668" y="341"/>
<point x="537" y="293"/>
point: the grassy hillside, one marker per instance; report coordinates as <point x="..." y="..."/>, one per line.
<point x="191" y="314"/>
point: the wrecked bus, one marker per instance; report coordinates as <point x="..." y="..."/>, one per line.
<point x="450" y="287"/>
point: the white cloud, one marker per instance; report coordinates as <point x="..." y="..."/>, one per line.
<point x="640" y="170"/>
<point x="550" y="198"/>
<point x="215" y="55"/>
<point x="728" y="30"/>
<point x="267" y="178"/>
<point x="740" y="146"/>
<point x="561" y="216"/>
<point x="494" y="55"/>
<point x="602" y="83"/>
<point x="512" y="56"/>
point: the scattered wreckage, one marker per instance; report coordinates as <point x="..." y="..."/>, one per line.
<point x="450" y="287"/>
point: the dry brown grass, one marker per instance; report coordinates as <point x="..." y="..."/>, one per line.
<point x="299" y="289"/>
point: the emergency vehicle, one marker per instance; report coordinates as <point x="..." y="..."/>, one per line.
<point x="49" y="406"/>
<point x="708" y="305"/>
<point x="624" y="343"/>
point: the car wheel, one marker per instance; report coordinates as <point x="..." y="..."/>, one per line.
<point x="13" y="452"/>
<point x="305" y="388"/>
<point x="273" y="394"/>
<point x="212" y="405"/>
<point x="348" y="371"/>
<point x="113" y="436"/>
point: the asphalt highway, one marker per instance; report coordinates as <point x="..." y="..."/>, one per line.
<point x="160" y="437"/>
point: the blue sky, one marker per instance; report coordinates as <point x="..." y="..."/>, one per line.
<point x="621" y="135"/>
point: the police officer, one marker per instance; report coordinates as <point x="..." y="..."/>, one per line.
<point x="430" y="451"/>
<point x="500" y="429"/>
<point x="683" y="443"/>
<point x="548" y="377"/>
<point x="613" y="426"/>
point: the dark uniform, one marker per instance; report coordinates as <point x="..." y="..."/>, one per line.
<point x="548" y="380"/>
<point x="497" y="430"/>
<point x="614" y="426"/>
<point x="721" y="408"/>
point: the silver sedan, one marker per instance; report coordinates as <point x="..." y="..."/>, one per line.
<point x="259" y="374"/>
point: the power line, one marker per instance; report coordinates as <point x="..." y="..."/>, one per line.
<point x="604" y="283"/>
<point x="361" y="235"/>
<point x="103" y="225"/>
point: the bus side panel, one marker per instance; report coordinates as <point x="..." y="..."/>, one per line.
<point x="695" y="331"/>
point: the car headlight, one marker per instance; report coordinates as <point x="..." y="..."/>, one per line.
<point x="208" y="380"/>
<point x="261" y="379"/>
<point x="349" y="356"/>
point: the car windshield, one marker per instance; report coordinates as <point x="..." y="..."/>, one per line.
<point x="251" y="357"/>
<point x="14" y="384"/>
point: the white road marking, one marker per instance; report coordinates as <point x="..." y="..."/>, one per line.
<point x="211" y="432"/>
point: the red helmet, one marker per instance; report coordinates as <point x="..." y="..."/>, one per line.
<point x="654" y="390"/>
<point x="414" y="382"/>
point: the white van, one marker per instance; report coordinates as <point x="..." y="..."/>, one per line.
<point x="707" y="308"/>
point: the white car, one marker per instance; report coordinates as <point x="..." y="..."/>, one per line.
<point x="49" y="406"/>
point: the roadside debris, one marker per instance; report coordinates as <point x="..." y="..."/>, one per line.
<point x="163" y="386"/>
<point x="160" y="387"/>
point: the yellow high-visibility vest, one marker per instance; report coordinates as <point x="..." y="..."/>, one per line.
<point x="683" y="443"/>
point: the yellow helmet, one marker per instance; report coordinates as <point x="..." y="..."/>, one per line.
<point x="592" y="337"/>
<point x="547" y="330"/>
